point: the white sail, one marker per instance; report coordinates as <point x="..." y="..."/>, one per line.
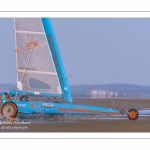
<point x="35" y="68"/>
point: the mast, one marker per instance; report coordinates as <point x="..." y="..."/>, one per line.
<point x="52" y="43"/>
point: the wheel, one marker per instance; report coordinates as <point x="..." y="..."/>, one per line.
<point x="133" y="114"/>
<point x="9" y="109"/>
<point x="24" y="98"/>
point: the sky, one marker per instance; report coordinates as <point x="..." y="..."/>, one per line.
<point x="93" y="50"/>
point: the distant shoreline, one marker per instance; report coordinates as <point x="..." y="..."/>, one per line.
<point x="99" y="91"/>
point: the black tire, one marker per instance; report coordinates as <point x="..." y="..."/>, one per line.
<point x="133" y="114"/>
<point x="24" y="98"/>
<point x="9" y="109"/>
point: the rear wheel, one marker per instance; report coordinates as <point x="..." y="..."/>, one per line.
<point x="133" y="114"/>
<point x="9" y="109"/>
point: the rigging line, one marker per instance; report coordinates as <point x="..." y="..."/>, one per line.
<point x="86" y="61"/>
<point x="28" y="59"/>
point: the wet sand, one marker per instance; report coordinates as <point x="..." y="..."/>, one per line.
<point x="85" y="124"/>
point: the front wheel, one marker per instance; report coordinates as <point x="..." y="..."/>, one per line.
<point x="9" y="109"/>
<point x="133" y="114"/>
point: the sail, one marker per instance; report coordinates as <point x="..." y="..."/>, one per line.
<point x="35" y="67"/>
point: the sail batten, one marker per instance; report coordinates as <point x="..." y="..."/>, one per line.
<point x="36" y="71"/>
<point x="29" y="32"/>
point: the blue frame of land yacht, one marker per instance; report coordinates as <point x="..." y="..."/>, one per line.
<point x="33" y="107"/>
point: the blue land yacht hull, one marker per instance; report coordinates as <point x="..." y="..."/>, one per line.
<point x="32" y="107"/>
